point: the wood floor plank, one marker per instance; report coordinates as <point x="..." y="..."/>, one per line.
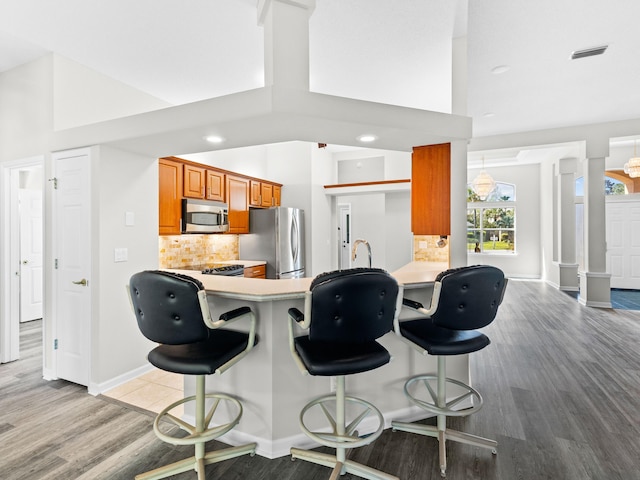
<point x="561" y="384"/>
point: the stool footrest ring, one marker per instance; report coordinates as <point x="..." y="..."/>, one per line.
<point x="350" y="438"/>
<point x="194" y="437"/>
<point x="427" y="397"/>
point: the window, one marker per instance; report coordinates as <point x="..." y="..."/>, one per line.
<point x="612" y="186"/>
<point x="491" y="224"/>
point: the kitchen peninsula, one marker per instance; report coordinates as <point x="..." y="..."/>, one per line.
<point x="268" y="382"/>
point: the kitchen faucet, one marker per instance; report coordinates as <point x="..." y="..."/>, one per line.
<point x="355" y="247"/>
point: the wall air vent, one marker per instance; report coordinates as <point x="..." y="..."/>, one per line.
<point x="588" y="52"/>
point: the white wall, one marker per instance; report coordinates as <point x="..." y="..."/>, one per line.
<point x="118" y="346"/>
<point x="26" y="110"/>
<point x="251" y="161"/>
<point x="397" y="226"/>
<point x="324" y="231"/>
<point x="82" y="96"/>
<point x="526" y="262"/>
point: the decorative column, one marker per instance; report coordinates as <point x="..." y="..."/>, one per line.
<point x="595" y="282"/>
<point x="458" y="239"/>
<point x="286" y="42"/>
<point x="568" y="268"/>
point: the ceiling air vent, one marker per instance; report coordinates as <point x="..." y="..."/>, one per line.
<point x="588" y="52"/>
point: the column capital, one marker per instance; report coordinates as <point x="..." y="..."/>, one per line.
<point x="567" y="165"/>
<point x="265" y="5"/>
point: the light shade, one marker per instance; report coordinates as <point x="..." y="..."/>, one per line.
<point x="632" y="167"/>
<point x="483" y="185"/>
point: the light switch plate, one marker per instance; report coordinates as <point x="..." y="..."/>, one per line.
<point x="129" y="219"/>
<point x="120" y="255"/>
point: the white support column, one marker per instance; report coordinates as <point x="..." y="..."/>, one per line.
<point x="595" y="282"/>
<point x="568" y="268"/>
<point x="286" y="42"/>
<point x="458" y="240"/>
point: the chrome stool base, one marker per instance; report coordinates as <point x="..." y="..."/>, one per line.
<point x="436" y="402"/>
<point x="342" y="436"/>
<point x="198" y="434"/>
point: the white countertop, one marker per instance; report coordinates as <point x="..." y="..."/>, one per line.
<point x="414" y="274"/>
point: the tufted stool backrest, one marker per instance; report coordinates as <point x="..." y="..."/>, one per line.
<point x="469" y="297"/>
<point x="167" y="308"/>
<point x="353" y="305"/>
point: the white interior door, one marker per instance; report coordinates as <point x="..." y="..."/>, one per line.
<point x="31" y="275"/>
<point x="623" y="243"/>
<point x="72" y="252"/>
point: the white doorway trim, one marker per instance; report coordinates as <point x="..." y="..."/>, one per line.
<point x="10" y="257"/>
<point x="344" y="235"/>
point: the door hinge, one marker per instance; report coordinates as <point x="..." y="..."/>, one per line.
<point x="55" y="344"/>
<point x="55" y="264"/>
<point x="55" y="182"/>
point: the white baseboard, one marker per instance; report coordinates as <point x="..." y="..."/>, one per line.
<point x="48" y="375"/>
<point x="98" y="388"/>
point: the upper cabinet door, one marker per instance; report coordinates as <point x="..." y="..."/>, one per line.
<point x="255" y="193"/>
<point x="170" y="196"/>
<point x="194" y="181"/>
<point x="215" y="186"/>
<point x="266" y="194"/>
<point x="238" y="202"/>
<point x="277" y="195"/>
<point x="431" y="190"/>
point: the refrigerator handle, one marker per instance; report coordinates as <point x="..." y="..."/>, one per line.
<point x="294" y="238"/>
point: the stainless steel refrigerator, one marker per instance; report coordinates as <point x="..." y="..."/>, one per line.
<point x="277" y="236"/>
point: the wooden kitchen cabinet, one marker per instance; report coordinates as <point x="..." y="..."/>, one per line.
<point x="215" y="185"/>
<point x="259" y="271"/>
<point x="431" y="190"/>
<point x="238" y="201"/>
<point x="194" y="181"/>
<point x="180" y="178"/>
<point x="277" y="195"/>
<point x="266" y="194"/>
<point x="255" y="196"/>
<point x="170" y="183"/>
<point x="203" y="183"/>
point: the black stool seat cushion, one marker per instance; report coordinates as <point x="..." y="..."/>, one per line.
<point x="338" y="358"/>
<point x="200" y="358"/>
<point x="443" y="341"/>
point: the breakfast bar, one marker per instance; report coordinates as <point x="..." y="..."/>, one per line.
<point x="268" y="382"/>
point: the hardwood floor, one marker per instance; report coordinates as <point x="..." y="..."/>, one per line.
<point x="561" y="384"/>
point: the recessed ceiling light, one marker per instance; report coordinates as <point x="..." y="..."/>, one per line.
<point x="488" y="114"/>
<point x="367" y="138"/>
<point x="588" y="52"/>
<point x="214" y="139"/>
<point x="500" y="69"/>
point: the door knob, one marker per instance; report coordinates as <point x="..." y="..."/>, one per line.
<point x="82" y="282"/>
<point x="24" y="262"/>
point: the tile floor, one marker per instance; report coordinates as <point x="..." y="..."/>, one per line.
<point x="152" y="391"/>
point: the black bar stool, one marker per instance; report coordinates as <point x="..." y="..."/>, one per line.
<point x="172" y="310"/>
<point x="463" y="300"/>
<point x="345" y="312"/>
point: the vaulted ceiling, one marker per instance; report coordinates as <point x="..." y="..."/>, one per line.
<point x="520" y="75"/>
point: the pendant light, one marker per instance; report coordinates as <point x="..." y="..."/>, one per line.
<point x="632" y="167"/>
<point x="484" y="184"/>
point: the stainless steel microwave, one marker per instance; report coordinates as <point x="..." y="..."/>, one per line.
<point x="204" y="216"/>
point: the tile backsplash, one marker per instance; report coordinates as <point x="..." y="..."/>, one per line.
<point x="178" y="251"/>
<point x="426" y="249"/>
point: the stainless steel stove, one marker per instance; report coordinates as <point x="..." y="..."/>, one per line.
<point x="230" y="270"/>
